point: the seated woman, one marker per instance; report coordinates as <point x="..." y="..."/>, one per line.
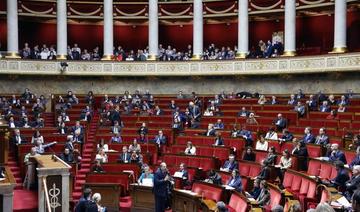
<point x="285" y="163"/>
<point x="208" y="112"/>
<point x="332" y="115"/>
<point x="262" y="100"/>
<point x="262" y="144"/>
<point x="249" y="155"/>
<point x="341" y="108"/>
<point x="146" y="175"/>
<point x="251" y="119"/>
<point x="235" y="180"/>
<point x="103" y="145"/>
<point x="135" y="146"/>
<point x="97" y="167"/>
<point x="37" y="137"/>
<point x="264" y="196"/>
<point x="190" y="149"/>
<point x="101" y="156"/>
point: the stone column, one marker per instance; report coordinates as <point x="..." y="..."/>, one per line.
<point x="198" y="29"/>
<point x="108" y="30"/>
<point x="153" y="29"/>
<point x="65" y="190"/>
<point x="243" y="29"/>
<point x="12" y="29"/>
<point x="340" y="27"/>
<point x="290" y="28"/>
<point x="61" y="30"/>
<point x="8" y="202"/>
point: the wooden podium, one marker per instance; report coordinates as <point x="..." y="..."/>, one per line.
<point x="4" y="141"/>
<point x="185" y="201"/>
<point x="142" y="198"/>
<point x="53" y="183"/>
<point x="6" y="191"/>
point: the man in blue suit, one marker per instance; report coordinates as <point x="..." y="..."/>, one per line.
<point x="230" y="164"/>
<point x="336" y="154"/>
<point x="356" y="160"/>
<point x="308" y="137"/>
<point x="280" y="122"/>
<point x="342" y="176"/>
<point x="160" y="189"/>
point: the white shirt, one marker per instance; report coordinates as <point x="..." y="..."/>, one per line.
<point x="271" y="136"/>
<point x="190" y="151"/>
<point x="262" y="146"/>
<point x="102" y="159"/>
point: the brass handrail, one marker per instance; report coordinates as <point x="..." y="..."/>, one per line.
<point x="46" y="194"/>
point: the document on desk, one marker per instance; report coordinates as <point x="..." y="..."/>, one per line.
<point x="228" y="187"/>
<point x="344" y="202"/>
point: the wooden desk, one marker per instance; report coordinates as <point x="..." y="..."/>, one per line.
<point x="4" y="141"/>
<point x="208" y="205"/>
<point x="6" y="191"/>
<point x="110" y="194"/>
<point x="185" y="201"/>
<point x="142" y="198"/>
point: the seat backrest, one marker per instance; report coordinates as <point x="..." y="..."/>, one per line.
<point x="237" y="203"/>
<point x="325" y="171"/>
<point x="244" y="169"/>
<point x="304" y="186"/>
<point x="296" y="183"/>
<point x="288" y="179"/>
<point x="260" y="155"/>
<point x="314" y="168"/>
<point x="311" y="190"/>
<point x="207" y="191"/>
<point x="254" y="170"/>
<point x="275" y="197"/>
<point x="314" y="151"/>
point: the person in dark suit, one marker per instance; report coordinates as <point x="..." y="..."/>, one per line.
<point x="312" y="103"/>
<point x="322" y="138"/>
<point x="143" y="129"/>
<point x="301" y="152"/>
<point x="158" y="111"/>
<point x="292" y="100"/>
<point x="354" y="183"/>
<point x="235" y="180"/>
<point x="160" y="138"/>
<point x="300" y="109"/>
<point x="308" y="136"/>
<point x="185" y="175"/>
<point x="300" y="94"/>
<point x="219" y="141"/>
<point x="356" y="160"/>
<point x="273" y="101"/>
<point x="172" y="105"/>
<point x="280" y="122"/>
<point x="230" y="164"/>
<point x="67" y="156"/>
<point x="214" y="178"/>
<point x="125" y="156"/>
<point x="194" y="110"/>
<point x="77" y="127"/>
<point x="341" y="178"/>
<point x="246" y="134"/>
<point x="325" y="107"/>
<point x="161" y="187"/>
<point x="243" y="112"/>
<point x="336" y="154"/>
<point x="81" y="205"/>
<point x="97" y="167"/>
<point x="17" y="138"/>
<point x="210" y="131"/>
<point x="271" y="157"/>
<point x="264" y="172"/>
<point x="286" y="136"/>
<point x="256" y="189"/>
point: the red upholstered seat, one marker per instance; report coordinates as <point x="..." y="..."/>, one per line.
<point x="208" y="191"/>
<point x="244" y="169"/>
<point x="260" y="155"/>
<point x="254" y="171"/>
<point x="288" y="179"/>
<point x="314" y="168"/>
<point x="275" y="197"/>
<point x="325" y="171"/>
<point x="237" y="203"/>
<point x="296" y="183"/>
<point x="314" y="151"/>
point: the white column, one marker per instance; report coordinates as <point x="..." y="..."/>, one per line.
<point x="8" y="202"/>
<point x="243" y="29"/>
<point x="61" y="29"/>
<point x="198" y="29"/>
<point x="108" y="29"/>
<point x="153" y="29"/>
<point x="290" y="28"/>
<point x="12" y="29"/>
<point x="340" y="27"/>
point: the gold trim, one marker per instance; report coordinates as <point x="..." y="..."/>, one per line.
<point x="289" y="54"/>
<point x="61" y="57"/>
<point x="241" y="55"/>
<point x="107" y="57"/>
<point x="12" y="55"/>
<point x="338" y="50"/>
<point x="152" y="57"/>
<point x="196" y="57"/>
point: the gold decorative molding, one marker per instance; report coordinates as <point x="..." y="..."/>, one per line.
<point x="347" y="62"/>
<point x="338" y="50"/>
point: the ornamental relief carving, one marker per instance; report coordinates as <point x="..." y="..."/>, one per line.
<point x="349" y="61"/>
<point x="217" y="67"/>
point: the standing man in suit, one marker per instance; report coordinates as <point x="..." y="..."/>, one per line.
<point x="280" y="122"/>
<point x="194" y="110"/>
<point x="161" y="186"/>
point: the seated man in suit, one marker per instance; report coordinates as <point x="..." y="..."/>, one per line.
<point x="78" y="127"/>
<point x="160" y="138"/>
<point x="312" y="103"/>
<point x="184" y="175"/>
<point x="158" y="111"/>
<point x="300" y="109"/>
<point x="356" y="160"/>
<point x="210" y="131"/>
<point x="243" y="112"/>
<point x="125" y="156"/>
<point x="116" y="138"/>
<point x="219" y="141"/>
<point x="336" y="154"/>
<point x="308" y="137"/>
<point x="214" y="178"/>
<point x="354" y="183"/>
<point x="280" y="122"/>
<point x="219" y="125"/>
<point x="292" y="100"/>
<point x="322" y="138"/>
<point x="230" y="164"/>
<point x="67" y="156"/>
<point x="342" y="176"/>
<point x="246" y="134"/>
<point x="287" y="136"/>
<point x="273" y="100"/>
<point x="17" y="138"/>
<point x="235" y="180"/>
<point x="325" y="107"/>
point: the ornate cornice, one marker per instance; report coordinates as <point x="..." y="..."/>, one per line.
<point x="293" y="65"/>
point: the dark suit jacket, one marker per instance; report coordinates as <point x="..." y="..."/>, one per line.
<point x="309" y="138"/>
<point x="236" y="183"/>
<point x="67" y="158"/>
<point x="280" y="123"/>
<point x="287" y="137"/>
<point x="219" y="142"/>
<point x="211" y="132"/>
<point x="322" y="140"/>
<point x="122" y="158"/>
<point x="353" y="184"/>
<point x="355" y="162"/>
<point x="14" y="139"/>
<point x="339" y="155"/>
<point x="271" y="159"/>
<point x="230" y="166"/>
<point x="264" y="173"/>
<point x="160" y="185"/>
<point x="341" y="178"/>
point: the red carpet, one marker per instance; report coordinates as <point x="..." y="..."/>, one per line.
<point x="25" y="201"/>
